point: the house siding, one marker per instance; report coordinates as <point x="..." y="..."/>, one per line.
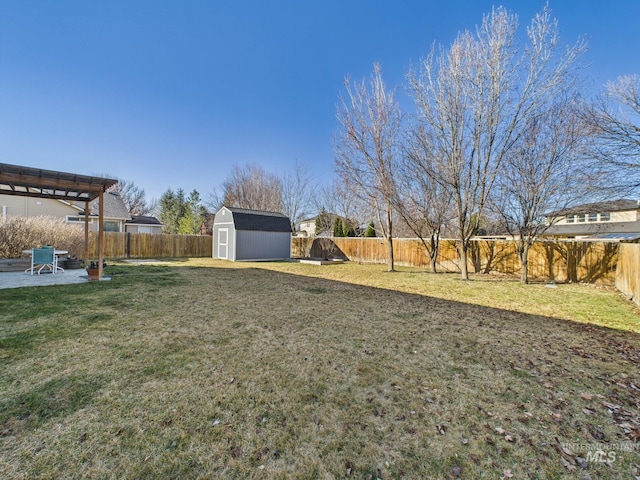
<point x="21" y="206"/>
<point x="154" y="229"/>
<point x="309" y="227"/>
<point x="18" y="206"/>
<point x="628" y="216"/>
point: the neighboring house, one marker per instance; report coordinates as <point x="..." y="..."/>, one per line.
<point x="207" y="225"/>
<point x="143" y="224"/>
<point x="115" y="211"/>
<point x="307" y="227"/>
<point x="242" y="234"/>
<point x="613" y="220"/>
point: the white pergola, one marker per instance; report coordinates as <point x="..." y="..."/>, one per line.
<point x="35" y="182"/>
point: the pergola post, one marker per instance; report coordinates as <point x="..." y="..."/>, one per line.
<point x="86" y="234"/>
<point x="100" y="233"/>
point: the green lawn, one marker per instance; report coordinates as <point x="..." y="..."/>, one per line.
<point x="209" y="369"/>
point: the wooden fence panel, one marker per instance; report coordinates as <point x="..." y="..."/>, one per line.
<point x="628" y="271"/>
<point x="589" y="262"/>
<point x="148" y="245"/>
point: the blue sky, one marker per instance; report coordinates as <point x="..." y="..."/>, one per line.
<point x="172" y="94"/>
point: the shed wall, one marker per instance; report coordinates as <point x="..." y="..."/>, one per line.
<point x="256" y="245"/>
<point x="228" y="252"/>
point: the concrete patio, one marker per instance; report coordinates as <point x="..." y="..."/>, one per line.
<point x="21" y="279"/>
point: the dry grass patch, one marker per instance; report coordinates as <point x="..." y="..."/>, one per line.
<point x="207" y="369"/>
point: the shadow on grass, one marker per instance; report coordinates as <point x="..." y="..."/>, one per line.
<point x="378" y="374"/>
<point x="56" y="398"/>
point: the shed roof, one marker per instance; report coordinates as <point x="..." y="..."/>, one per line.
<point x="259" y="220"/>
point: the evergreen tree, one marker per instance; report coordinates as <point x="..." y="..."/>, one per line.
<point x="180" y="214"/>
<point x="193" y="217"/>
<point x="169" y="211"/>
<point x="338" y="229"/>
<point x="370" y="231"/>
<point x="347" y="229"/>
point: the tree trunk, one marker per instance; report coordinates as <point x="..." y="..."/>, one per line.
<point x="523" y="252"/>
<point x="433" y="255"/>
<point x="464" y="267"/>
<point x="390" y="265"/>
<point x="389" y="238"/>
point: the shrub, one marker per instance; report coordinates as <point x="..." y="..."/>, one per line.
<point x="20" y="233"/>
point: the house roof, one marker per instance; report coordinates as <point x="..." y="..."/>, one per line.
<point x="596" y="228"/>
<point x="143" y="220"/>
<point x="114" y="207"/>
<point x="597" y="207"/>
<point x="313" y="219"/>
<point x="259" y="220"/>
<point x="35" y="182"/>
<point x="614" y="237"/>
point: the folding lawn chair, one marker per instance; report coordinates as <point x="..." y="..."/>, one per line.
<point x="43" y="258"/>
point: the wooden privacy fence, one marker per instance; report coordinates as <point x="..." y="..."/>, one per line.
<point x="591" y="262"/>
<point x="628" y="271"/>
<point x="148" y="245"/>
<point x="549" y="261"/>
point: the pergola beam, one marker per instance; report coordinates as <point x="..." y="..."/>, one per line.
<point x="60" y="185"/>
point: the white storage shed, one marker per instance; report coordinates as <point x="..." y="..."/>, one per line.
<point x="242" y="234"/>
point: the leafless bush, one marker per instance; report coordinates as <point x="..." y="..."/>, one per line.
<point x="21" y="233"/>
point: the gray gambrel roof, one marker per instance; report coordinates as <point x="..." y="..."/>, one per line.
<point x="258" y="220"/>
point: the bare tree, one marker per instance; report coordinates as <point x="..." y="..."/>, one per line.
<point x="339" y="199"/>
<point x="615" y="122"/>
<point x="475" y="99"/>
<point x="423" y="203"/>
<point x="546" y="171"/>
<point x="297" y="193"/>
<point x="253" y="187"/>
<point x="367" y="148"/>
<point x="134" y="197"/>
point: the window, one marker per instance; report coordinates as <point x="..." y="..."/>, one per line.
<point x="593" y="217"/>
<point x="581" y="217"/>
<point x="605" y="217"/>
<point x="570" y="218"/>
<point x="77" y="219"/>
<point x="111" y="227"/>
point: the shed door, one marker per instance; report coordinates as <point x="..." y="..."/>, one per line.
<point x="223" y="243"/>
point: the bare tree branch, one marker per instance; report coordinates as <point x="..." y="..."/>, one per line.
<point x="367" y="148"/>
<point x="475" y="99"/>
